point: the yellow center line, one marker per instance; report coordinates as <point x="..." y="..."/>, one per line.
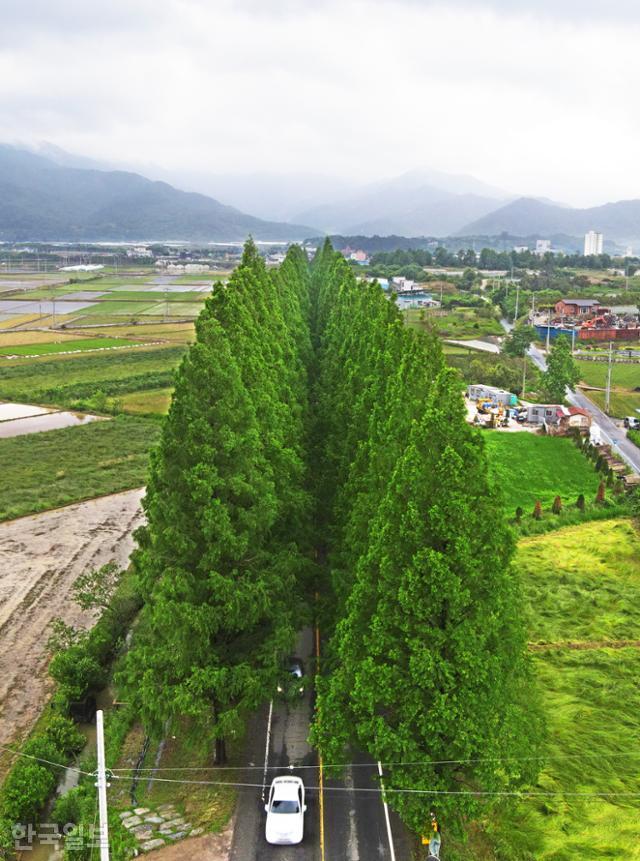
<point x="321" y="770"/>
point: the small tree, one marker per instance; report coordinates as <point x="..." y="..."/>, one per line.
<point x="600" y="495"/>
<point x="556" y="508"/>
<point x="562" y="372"/>
<point x="580" y="504"/>
<point x="537" y="510"/>
<point x="519" y="513"/>
<point x="94" y="589"/>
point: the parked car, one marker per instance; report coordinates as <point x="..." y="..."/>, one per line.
<point x="292" y="684"/>
<point x="285" y="811"/>
<point x="632" y="422"/>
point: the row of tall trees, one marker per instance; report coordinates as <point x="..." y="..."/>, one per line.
<point x="222" y="561"/>
<point x="308" y="423"/>
<point x="426" y="665"/>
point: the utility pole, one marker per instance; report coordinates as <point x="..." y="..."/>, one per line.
<point x="524" y="374"/>
<point x="607" y="396"/>
<point x="102" y="784"/>
<point x="515" y="315"/>
<point x="548" y="328"/>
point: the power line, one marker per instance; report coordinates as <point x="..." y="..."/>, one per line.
<point x="413" y="764"/>
<point x="404" y="790"/>
<point x="46" y="761"/>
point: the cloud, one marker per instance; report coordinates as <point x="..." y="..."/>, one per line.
<point x="521" y="96"/>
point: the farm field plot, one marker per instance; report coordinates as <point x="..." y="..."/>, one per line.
<point x="582" y="584"/>
<point x="60" y="380"/>
<point x="178" y="309"/>
<point x="180" y="333"/>
<point x="528" y="467"/>
<point x="54" y="468"/>
<point x="65" y="346"/>
<point x="461" y="323"/>
<point x="155" y="401"/>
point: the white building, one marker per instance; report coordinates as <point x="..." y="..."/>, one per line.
<point x="593" y="243"/>
<point x="543" y="246"/>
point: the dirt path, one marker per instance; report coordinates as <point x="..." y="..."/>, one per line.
<point x="40" y="558"/>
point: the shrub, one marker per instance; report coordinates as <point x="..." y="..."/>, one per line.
<point x="519" y="513"/>
<point x="600" y="495"/>
<point x="556" y="508"/>
<point x="580" y="503"/>
<point x="537" y="511"/>
<point x="78" y="673"/>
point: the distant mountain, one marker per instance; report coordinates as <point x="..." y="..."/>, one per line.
<point x="526" y="216"/>
<point x="41" y="199"/>
<point x="415" y="204"/>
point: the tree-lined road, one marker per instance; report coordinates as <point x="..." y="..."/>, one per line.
<point x="341" y="823"/>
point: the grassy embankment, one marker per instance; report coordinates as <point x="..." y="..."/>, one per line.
<point x="625" y="379"/>
<point x="582" y="591"/>
<point x="54" y="468"/>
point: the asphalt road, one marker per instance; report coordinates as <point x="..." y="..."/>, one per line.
<point x="611" y="432"/>
<point x="341" y="824"/>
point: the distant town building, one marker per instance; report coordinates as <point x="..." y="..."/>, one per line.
<point x="593" y="243"/>
<point x="139" y="251"/>
<point x="480" y="392"/>
<point x="360" y="257"/>
<point x="520" y="249"/>
<point x="543" y="246"/>
<point x="578" y="307"/>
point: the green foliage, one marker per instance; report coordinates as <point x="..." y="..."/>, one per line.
<point x="222" y="560"/>
<point x="31" y="780"/>
<point x="562" y="371"/>
<point x="427" y="652"/>
<point x="518" y="341"/>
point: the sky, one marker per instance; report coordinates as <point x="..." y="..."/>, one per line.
<point x="536" y="98"/>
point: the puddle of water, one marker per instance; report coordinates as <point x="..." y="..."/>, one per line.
<point x="21" y="411"/>
<point x="50" y="421"/>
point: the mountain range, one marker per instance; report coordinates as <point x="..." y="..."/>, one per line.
<point x="43" y="199"/>
<point x="50" y="194"/>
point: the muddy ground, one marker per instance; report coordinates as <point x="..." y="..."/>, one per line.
<point x="40" y="558"/>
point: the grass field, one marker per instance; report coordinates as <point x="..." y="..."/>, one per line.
<point x="621" y="403"/>
<point x="179" y="333"/>
<point x="58" y="380"/>
<point x="66" y="346"/>
<point x="46" y="470"/>
<point x="460" y="323"/>
<point x="624" y="376"/>
<point x="528" y="467"/>
<point x="154" y="401"/>
<point x="582" y="584"/>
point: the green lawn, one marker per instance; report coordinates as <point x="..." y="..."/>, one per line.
<point x="581" y="584"/>
<point x="116" y="306"/>
<point x="528" y="467"/>
<point x="46" y="470"/>
<point x="66" y="346"/>
<point x="60" y="380"/>
<point x="622" y="375"/>
<point x="621" y="403"/>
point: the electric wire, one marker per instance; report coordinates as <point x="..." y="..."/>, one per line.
<point x="412" y="764"/>
<point x="404" y="790"/>
<point x="46" y="761"/>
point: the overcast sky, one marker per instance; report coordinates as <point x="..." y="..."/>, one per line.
<point x="535" y="97"/>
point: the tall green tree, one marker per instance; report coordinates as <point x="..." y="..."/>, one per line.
<point x="562" y="372"/>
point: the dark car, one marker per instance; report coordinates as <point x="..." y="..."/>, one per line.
<point x="293" y="681"/>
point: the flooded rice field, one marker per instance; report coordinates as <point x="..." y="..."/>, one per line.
<point x="21" y="419"/>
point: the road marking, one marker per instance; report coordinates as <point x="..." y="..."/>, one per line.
<point x="321" y="770"/>
<point x="386" y="815"/>
<point x="266" y="750"/>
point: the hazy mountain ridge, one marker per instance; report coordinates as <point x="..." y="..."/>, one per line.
<point x="526" y="216"/>
<point x="42" y="199"/>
